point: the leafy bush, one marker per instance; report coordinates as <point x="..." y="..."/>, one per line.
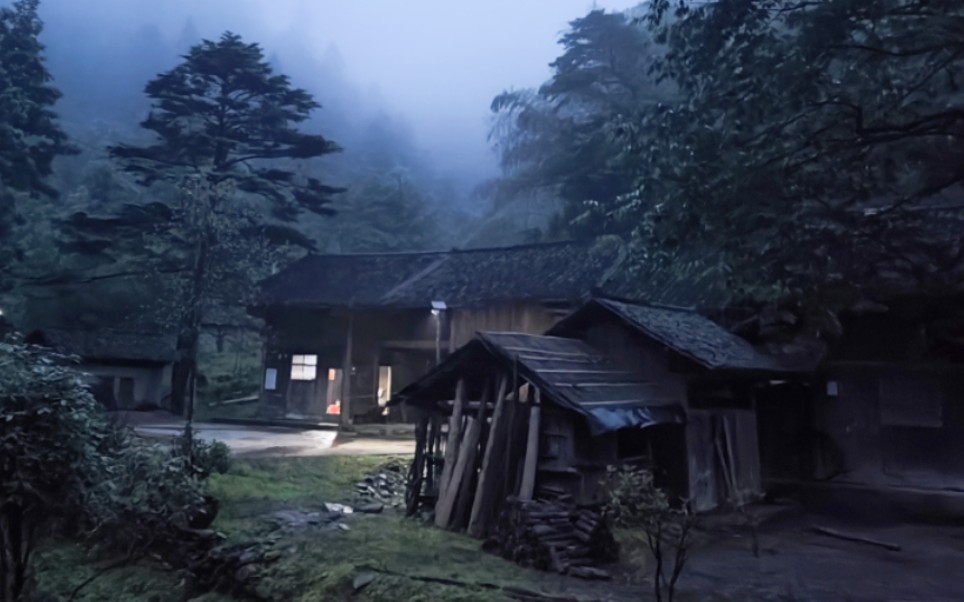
<point x="64" y="468"/>
<point x="49" y="453"/>
<point x="636" y="502"/>
<point x="200" y="457"/>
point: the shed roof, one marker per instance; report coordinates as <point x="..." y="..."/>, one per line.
<point x="566" y="271"/>
<point x="569" y="372"/>
<point x="685" y="332"/>
<point x="107" y="344"/>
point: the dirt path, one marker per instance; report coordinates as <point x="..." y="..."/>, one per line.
<point x="248" y="441"/>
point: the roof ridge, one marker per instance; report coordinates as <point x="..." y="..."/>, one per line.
<point x="415" y="278"/>
<point x="456" y="250"/>
<point x="654" y="305"/>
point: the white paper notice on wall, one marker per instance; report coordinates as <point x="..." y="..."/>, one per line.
<point x="270" y="379"/>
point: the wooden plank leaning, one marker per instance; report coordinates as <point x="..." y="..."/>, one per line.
<point x="451" y="450"/>
<point x="486" y="490"/>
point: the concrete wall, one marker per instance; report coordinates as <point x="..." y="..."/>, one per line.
<point x="151" y="383"/>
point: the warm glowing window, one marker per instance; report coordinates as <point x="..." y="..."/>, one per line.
<point x="384" y="384"/>
<point x="304" y="367"/>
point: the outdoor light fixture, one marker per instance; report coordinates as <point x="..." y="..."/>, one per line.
<point x="437" y="308"/>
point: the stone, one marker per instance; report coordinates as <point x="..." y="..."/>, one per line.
<point x="337" y="508"/>
<point x="360" y="581"/>
<point x="371" y="508"/>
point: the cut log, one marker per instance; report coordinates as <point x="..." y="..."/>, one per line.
<point x="451" y="451"/>
<point x="487" y="490"/>
<point x="855" y="538"/>
<point x="527" y="488"/>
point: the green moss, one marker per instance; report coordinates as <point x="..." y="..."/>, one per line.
<point x="60" y="567"/>
<point x="315" y="565"/>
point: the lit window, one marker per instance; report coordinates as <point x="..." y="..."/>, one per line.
<point x="304" y="367"/>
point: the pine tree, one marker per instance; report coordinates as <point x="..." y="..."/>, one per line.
<point x="226" y="140"/>
<point x="30" y="137"/>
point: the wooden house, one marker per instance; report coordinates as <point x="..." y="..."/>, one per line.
<point x="343" y="332"/>
<point x="126" y="369"/>
<point x="612" y="382"/>
<point x="883" y="412"/>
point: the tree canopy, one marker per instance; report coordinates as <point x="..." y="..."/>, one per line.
<point x="222" y="113"/>
<point x="30" y="136"/>
<point x="224" y="189"/>
<point x="755" y="146"/>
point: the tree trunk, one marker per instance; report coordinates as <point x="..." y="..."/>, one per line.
<point x="184" y="373"/>
<point x="15" y="553"/>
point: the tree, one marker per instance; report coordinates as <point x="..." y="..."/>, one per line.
<point x="30" y="137"/>
<point x="810" y="143"/>
<point x="225" y="189"/>
<point x="561" y="138"/>
<point x="635" y="502"/>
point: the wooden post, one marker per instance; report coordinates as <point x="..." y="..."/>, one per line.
<point x="414" y="487"/>
<point x="344" y="417"/>
<point x="465" y="497"/>
<point x="443" y="510"/>
<point x="527" y="489"/>
<point x="451" y="449"/>
<point x="433" y="444"/>
<point x="485" y="491"/>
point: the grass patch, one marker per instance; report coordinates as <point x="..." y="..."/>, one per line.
<point x="315" y="565"/>
<point x="253" y="488"/>
<point x="62" y="566"/>
<point x="321" y="565"/>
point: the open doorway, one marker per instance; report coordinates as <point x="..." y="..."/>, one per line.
<point x="334" y="392"/>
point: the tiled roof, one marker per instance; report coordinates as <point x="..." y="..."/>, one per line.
<point x="687" y="333"/>
<point x="107" y="344"/>
<point x="569" y="373"/>
<point x="547" y="272"/>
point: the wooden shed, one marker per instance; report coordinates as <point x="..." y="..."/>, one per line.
<point x="528" y="416"/>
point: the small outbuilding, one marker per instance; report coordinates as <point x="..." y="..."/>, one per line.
<point x="127" y="369"/>
<point x="542" y="416"/>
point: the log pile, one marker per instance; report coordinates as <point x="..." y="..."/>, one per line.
<point x="477" y="471"/>
<point x="551" y="535"/>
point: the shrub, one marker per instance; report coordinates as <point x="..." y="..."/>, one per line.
<point x="50" y="456"/>
<point x="636" y="503"/>
<point x="200" y="457"/>
<point x="64" y="468"/>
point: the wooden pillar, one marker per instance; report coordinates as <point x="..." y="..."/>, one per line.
<point x="487" y="488"/>
<point x="466" y="494"/>
<point x="345" y="416"/>
<point x="527" y="489"/>
<point x="451" y="453"/>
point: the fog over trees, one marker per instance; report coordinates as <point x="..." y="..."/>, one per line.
<point x="497" y="124"/>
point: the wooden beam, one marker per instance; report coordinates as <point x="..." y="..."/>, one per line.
<point x="443" y="510"/>
<point x="451" y="449"/>
<point x="344" y="416"/>
<point x="486" y="490"/>
<point x="528" y="486"/>
<point x="465" y="497"/>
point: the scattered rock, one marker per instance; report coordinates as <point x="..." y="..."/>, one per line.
<point x="337" y="508"/>
<point x="373" y="508"/>
<point x="385" y="486"/>
<point x="344" y="527"/>
<point x="362" y="580"/>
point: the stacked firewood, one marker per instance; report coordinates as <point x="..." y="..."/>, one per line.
<point x="550" y="535"/>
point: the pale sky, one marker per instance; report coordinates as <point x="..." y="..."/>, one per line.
<point x="438" y="63"/>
